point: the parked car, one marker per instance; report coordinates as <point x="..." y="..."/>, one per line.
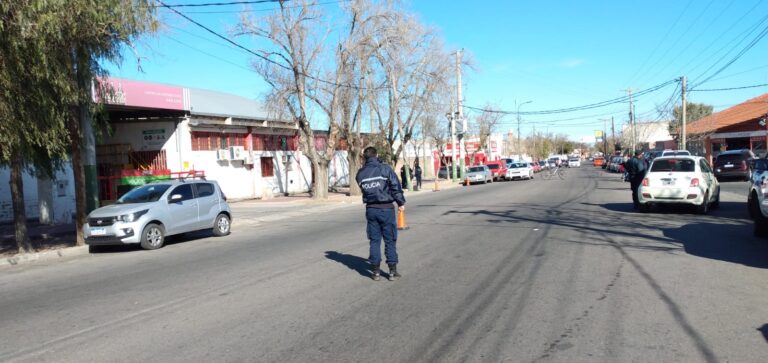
<point x="734" y="164"/>
<point x="445" y="172"/>
<point x="675" y="152"/>
<point x="687" y="180"/>
<point x="479" y="174"/>
<point x="574" y="163"/>
<point x="756" y="201"/>
<point x="148" y="214"/>
<point x="544" y="164"/>
<point x="554" y="161"/>
<point x="519" y="170"/>
<point x="598" y="161"/>
<point x="616" y="164"/>
<point x="536" y="167"/>
<point x="498" y="169"/>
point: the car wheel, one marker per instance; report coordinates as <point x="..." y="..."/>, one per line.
<point x="645" y="208"/>
<point x="152" y="237"/>
<point x="759" y="221"/>
<point x="704" y="207"/>
<point x="222" y="225"/>
<point x="716" y="203"/>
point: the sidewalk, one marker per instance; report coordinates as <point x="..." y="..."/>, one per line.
<point x="46" y="238"/>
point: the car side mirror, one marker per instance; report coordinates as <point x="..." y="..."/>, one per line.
<point x="176" y="198"/>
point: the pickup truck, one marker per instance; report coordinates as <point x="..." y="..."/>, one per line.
<point x="757" y="202"/>
<point x="498" y="169"/>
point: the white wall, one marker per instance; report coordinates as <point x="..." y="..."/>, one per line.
<point x="63" y="196"/>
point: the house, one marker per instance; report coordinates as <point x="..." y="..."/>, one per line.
<point x="739" y="127"/>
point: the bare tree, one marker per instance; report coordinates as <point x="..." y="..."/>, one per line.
<point x="290" y="65"/>
<point x="415" y="70"/>
<point x="484" y="125"/>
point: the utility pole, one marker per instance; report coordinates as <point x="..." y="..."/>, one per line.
<point x="519" y="152"/>
<point x="460" y="113"/>
<point x="453" y="142"/>
<point x="631" y="121"/>
<point x="613" y="135"/>
<point x="534" y="143"/>
<point x="684" y="80"/>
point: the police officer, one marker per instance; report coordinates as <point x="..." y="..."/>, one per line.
<point x="635" y="168"/>
<point x="380" y="188"/>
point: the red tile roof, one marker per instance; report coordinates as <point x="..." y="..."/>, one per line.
<point x="745" y="111"/>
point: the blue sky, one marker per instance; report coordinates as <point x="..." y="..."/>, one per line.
<point x="558" y="54"/>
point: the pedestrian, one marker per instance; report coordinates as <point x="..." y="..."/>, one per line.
<point x="417" y="172"/>
<point x="380" y="188"/>
<point x="403" y="176"/>
<point x="635" y="168"/>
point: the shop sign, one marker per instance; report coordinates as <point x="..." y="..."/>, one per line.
<point x="142" y="94"/>
<point x="153" y="139"/>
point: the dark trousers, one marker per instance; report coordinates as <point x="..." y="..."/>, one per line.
<point x="418" y="182"/>
<point x="635" y="182"/>
<point x="382" y="223"/>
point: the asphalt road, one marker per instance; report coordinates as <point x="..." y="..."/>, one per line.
<point x="526" y="271"/>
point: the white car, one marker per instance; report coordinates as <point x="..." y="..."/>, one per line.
<point x="519" y="170"/>
<point x="574" y="163"/>
<point x="683" y="179"/>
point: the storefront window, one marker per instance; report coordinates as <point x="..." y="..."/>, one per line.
<point x="267" y="166"/>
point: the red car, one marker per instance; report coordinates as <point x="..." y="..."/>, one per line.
<point x="536" y="167"/>
<point x="498" y="169"/>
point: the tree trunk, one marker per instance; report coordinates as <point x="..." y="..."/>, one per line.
<point x="79" y="174"/>
<point x="354" y="156"/>
<point x="320" y="185"/>
<point x="19" y="209"/>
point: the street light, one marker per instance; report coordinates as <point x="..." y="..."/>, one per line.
<point x="518" y="127"/>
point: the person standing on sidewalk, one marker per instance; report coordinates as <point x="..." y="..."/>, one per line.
<point x="417" y="173"/>
<point x="380" y="188"/>
<point x="635" y="169"/>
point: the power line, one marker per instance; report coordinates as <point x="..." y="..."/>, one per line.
<point x="263" y="10"/>
<point x="229" y="3"/>
<point x="738" y="55"/>
<point x="266" y="59"/>
<point x="580" y="108"/>
<point x="730" y="88"/>
<point x="209" y="54"/>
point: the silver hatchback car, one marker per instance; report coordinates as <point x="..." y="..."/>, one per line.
<point x="149" y="213"/>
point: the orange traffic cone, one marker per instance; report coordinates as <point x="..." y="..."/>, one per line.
<point x="401" y="220"/>
<point x="437" y="186"/>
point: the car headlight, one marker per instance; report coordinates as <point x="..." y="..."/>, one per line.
<point x="132" y="216"/>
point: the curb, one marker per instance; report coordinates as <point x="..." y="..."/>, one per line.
<point x="25" y="258"/>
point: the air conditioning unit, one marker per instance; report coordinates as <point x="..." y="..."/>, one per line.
<point x="248" y="159"/>
<point x="238" y="152"/>
<point x="222" y="154"/>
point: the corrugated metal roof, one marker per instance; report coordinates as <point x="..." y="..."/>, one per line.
<point x="212" y="103"/>
<point x="743" y="112"/>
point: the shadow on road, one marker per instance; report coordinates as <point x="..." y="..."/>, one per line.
<point x="724" y="242"/>
<point x="734" y="210"/>
<point x="764" y="330"/>
<point x="353" y="262"/>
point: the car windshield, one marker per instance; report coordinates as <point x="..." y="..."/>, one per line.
<point x="475" y="169"/>
<point x="493" y="166"/>
<point x="517" y="165"/>
<point x="144" y="194"/>
<point x="574" y="160"/>
<point x="729" y="157"/>
<point x="674" y="165"/>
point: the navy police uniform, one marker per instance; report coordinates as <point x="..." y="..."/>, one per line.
<point x="380" y="189"/>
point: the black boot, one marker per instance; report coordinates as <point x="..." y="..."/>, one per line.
<point x="393" y="275"/>
<point x="376" y="273"/>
